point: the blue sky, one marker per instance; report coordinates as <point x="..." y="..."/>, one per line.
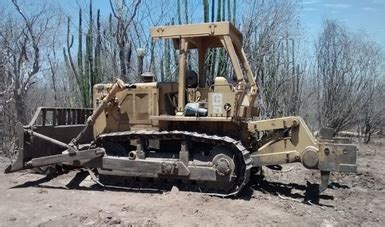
<point x="360" y="16"/>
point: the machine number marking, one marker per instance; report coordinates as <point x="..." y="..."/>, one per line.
<point x="217" y="103"/>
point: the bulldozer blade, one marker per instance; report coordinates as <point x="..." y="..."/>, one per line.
<point x="18" y="164"/>
<point x="48" y="133"/>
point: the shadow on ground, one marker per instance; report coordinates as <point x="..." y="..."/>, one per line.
<point x="308" y="194"/>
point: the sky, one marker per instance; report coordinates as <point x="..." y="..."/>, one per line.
<point x="360" y="16"/>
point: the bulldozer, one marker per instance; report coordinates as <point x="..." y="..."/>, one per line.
<point x="198" y="132"/>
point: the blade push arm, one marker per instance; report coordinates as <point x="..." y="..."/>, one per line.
<point x="116" y="87"/>
<point x="297" y="144"/>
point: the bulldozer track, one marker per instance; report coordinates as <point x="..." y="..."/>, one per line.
<point x="237" y="147"/>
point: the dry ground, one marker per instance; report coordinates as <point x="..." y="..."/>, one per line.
<point x="28" y="199"/>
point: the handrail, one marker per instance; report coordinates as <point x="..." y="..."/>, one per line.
<point x="56" y="116"/>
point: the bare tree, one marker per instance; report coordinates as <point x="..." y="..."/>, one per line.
<point x="22" y="36"/>
<point x="372" y="118"/>
<point x="346" y="77"/>
<point x="270" y="29"/>
<point x="54" y="64"/>
<point x="2" y="94"/>
<point x="124" y="17"/>
<point x="23" y="46"/>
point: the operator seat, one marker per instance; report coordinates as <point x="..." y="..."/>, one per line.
<point x="191" y="79"/>
<point x="221" y="85"/>
<point x="194" y="106"/>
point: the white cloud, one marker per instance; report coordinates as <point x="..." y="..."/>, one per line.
<point x="309" y="2"/>
<point x="380" y="2"/>
<point x="371" y="9"/>
<point x="337" y="5"/>
<point x="309" y="9"/>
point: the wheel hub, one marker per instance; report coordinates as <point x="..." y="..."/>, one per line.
<point x="223" y="167"/>
<point x="223" y="164"/>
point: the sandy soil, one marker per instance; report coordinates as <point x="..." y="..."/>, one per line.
<point x="28" y="199"/>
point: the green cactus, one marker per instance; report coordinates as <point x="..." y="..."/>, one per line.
<point x="178" y="12"/>
<point x="80" y="45"/>
<point x="162" y="79"/>
<point x="212" y="10"/>
<point x="90" y="76"/>
<point x="234" y="10"/>
<point x="175" y="53"/>
<point x="223" y="10"/>
<point x="98" y="44"/>
<point x="229" y="10"/>
<point x="186" y="11"/>
<point x="167" y="61"/>
<point x="219" y="18"/>
<point x="88" y="70"/>
<point x="205" y="10"/>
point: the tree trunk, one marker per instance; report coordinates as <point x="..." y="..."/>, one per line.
<point x="20" y="107"/>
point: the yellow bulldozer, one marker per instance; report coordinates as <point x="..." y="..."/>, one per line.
<point x="192" y="131"/>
